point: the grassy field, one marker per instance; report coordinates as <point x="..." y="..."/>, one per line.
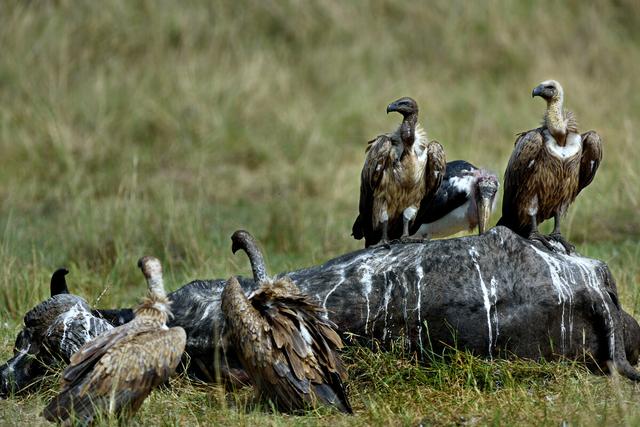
<point x="140" y="127"/>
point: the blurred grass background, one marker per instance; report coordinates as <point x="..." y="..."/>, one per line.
<point x="141" y="127"/>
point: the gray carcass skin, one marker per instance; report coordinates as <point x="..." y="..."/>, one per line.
<point x="496" y="295"/>
<point x="53" y="331"/>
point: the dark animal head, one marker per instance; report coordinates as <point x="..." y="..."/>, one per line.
<point x="405" y="106"/>
<point x="58" y="282"/>
<point x="549" y="90"/>
<point x="53" y="331"/>
<point x="486" y="191"/>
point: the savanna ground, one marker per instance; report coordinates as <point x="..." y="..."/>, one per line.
<point x="132" y="128"/>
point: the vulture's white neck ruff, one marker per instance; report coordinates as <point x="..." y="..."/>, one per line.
<point x="572" y="146"/>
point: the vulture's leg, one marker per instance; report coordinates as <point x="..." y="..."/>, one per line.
<point x="408" y="215"/>
<point x="384" y="241"/>
<point x="555" y="235"/>
<point x="534" y="234"/>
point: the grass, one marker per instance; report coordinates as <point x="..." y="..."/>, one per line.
<point x="132" y="128"/>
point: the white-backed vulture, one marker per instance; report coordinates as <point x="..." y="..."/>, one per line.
<point x="549" y="166"/>
<point x="114" y="373"/>
<point x="400" y="169"/>
<point x="285" y="342"/>
<point x="465" y="200"/>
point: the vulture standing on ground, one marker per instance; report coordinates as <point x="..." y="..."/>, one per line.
<point x="116" y="371"/>
<point x="465" y="200"/>
<point x="283" y="339"/>
<point x="549" y="166"/>
<point x="400" y="169"/>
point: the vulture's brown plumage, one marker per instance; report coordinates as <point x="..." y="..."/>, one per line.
<point x="283" y="339"/>
<point x="115" y="372"/>
<point x="549" y="166"/>
<point x="400" y="170"/>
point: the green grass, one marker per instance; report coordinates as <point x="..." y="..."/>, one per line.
<point x="137" y="127"/>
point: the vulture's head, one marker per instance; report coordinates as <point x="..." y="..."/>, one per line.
<point x="486" y="191"/>
<point x="152" y="270"/>
<point x="549" y="90"/>
<point x="405" y="106"/>
<point x="241" y="239"/>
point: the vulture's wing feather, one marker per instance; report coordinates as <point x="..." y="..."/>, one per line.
<point x="435" y="169"/>
<point x="591" y="158"/>
<point x="521" y="166"/>
<point x="84" y="360"/>
<point x="375" y="163"/>
<point x="123" y="377"/>
<point x="446" y="199"/>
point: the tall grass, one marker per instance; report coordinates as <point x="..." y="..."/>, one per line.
<point x="137" y="127"/>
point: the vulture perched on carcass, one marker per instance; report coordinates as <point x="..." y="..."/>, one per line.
<point x="400" y="170"/>
<point x="549" y="166"/>
<point x="114" y="373"/>
<point x="284" y="340"/>
<point x="465" y="200"/>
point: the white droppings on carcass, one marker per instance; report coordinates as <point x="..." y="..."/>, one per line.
<point x="494" y="296"/>
<point x="563" y="289"/>
<point x="342" y="279"/>
<point x="387" y="298"/>
<point x="485" y="295"/>
<point x="77" y="312"/>
<point x="206" y="312"/>
<point x="420" y="274"/>
<point x="21" y="353"/>
<point x="366" y="290"/>
<point x="588" y="272"/>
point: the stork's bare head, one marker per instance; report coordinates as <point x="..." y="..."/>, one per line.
<point x="405" y="106"/>
<point x="549" y="90"/>
<point x="486" y="191"/>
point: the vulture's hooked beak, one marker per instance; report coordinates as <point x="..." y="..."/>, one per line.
<point x="392" y="107"/>
<point x="484" y="213"/>
<point x="537" y="91"/>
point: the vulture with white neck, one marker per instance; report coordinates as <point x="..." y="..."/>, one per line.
<point x="549" y="166"/>
<point x="114" y="373"/>
<point x="400" y="170"/>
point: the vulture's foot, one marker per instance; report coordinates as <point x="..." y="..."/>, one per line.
<point x="413" y="239"/>
<point x="537" y="237"/>
<point x="556" y="236"/>
<point x="383" y="244"/>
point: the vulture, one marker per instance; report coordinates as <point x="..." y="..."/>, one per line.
<point x="465" y="200"/>
<point x="284" y="340"/>
<point x="58" y="282"/>
<point x="116" y="371"/>
<point x="400" y="170"/>
<point x="549" y="166"/>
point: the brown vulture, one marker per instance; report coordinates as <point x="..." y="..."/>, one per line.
<point x="549" y="166"/>
<point x="114" y="373"/>
<point x="284" y="340"/>
<point x="400" y="170"/>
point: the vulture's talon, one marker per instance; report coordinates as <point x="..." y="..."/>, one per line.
<point x="411" y="239"/>
<point x="570" y="248"/>
<point x="537" y="237"/>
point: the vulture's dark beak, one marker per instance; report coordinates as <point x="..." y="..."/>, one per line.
<point x="537" y="91"/>
<point x="234" y="246"/>
<point x="484" y="213"/>
<point x="392" y="107"/>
